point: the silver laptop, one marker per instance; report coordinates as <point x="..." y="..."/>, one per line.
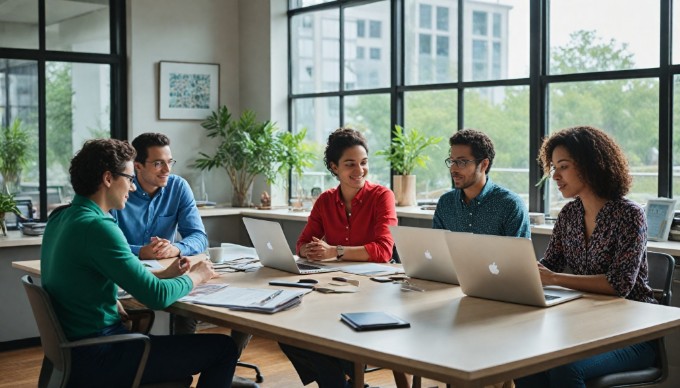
<point x="424" y="253"/>
<point x="273" y="250"/>
<point x="502" y="268"/>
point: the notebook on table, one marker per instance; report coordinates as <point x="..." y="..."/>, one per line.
<point x="424" y="253"/>
<point x="502" y="268"/>
<point x="372" y="320"/>
<point x="273" y="250"/>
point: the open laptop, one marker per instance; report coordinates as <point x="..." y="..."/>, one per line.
<point x="502" y="268"/>
<point x="424" y="253"/>
<point x="273" y="250"/>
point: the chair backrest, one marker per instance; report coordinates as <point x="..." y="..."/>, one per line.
<point x="51" y="333"/>
<point x="660" y="277"/>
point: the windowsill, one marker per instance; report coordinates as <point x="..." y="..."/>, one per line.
<point x="15" y="238"/>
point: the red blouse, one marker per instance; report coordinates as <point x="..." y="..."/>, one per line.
<point x="372" y="212"/>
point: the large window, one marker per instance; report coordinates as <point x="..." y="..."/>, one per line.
<point x="468" y="64"/>
<point x="74" y="71"/>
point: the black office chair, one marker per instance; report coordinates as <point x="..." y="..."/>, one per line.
<point x="258" y="375"/>
<point x="56" y="366"/>
<point x="660" y="278"/>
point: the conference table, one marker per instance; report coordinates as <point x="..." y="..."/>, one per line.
<point x="464" y="341"/>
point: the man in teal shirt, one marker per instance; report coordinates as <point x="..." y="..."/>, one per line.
<point x="85" y="257"/>
<point x="476" y="204"/>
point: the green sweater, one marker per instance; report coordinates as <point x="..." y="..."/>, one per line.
<point x="84" y="256"/>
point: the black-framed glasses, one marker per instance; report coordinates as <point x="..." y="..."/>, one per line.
<point x="158" y="164"/>
<point x="129" y="177"/>
<point x="460" y="163"/>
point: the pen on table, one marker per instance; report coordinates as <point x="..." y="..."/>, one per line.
<point x="270" y="297"/>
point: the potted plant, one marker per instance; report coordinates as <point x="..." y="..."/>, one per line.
<point x="295" y="157"/>
<point x="14" y="142"/>
<point x="405" y="152"/>
<point x="250" y="148"/>
<point x="7" y="205"/>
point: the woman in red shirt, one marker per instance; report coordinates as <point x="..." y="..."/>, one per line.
<point x="349" y="222"/>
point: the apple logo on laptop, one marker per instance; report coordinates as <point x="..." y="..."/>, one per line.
<point x="269" y="246"/>
<point x="427" y="254"/>
<point x="493" y="268"/>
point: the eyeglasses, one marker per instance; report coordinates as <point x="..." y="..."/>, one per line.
<point x="158" y="164"/>
<point x="460" y="163"/>
<point x="131" y="178"/>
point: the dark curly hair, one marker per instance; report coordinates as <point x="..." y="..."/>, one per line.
<point x="94" y="159"/>
<point x="146" y="140"/>
<point x="340" y="140"/>
<point x="599" y="160"/>
<point x="480" y="144"/>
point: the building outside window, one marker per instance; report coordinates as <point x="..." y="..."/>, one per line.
<point x="597" y="73"/>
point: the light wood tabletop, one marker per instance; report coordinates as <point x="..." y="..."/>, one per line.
<point x="465" y="341"/>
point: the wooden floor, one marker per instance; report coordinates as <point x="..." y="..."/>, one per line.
<point x="20" y="368"/>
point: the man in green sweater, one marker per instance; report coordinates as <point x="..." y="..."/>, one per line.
<point x="85" y="257"/>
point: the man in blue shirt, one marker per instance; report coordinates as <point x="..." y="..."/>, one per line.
<point x="476" y="204"/>
<point x="162" y="206"/>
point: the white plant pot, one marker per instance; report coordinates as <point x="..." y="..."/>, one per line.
<point x="405" y="190"/>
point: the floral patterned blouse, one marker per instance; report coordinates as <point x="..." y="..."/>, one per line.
<point x="617" y="247"/>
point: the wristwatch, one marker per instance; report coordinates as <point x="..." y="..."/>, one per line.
<point x="341" y="251"/>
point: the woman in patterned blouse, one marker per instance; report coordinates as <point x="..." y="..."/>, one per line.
<point x="600" y="236"/>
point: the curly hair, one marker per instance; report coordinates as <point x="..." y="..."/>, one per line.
<point x="95" y="158"/>
<point x="599" y="160"/>
<point x="480" y="144"/>
<point x="146" y="140"/>
<point x="340" y="140"/>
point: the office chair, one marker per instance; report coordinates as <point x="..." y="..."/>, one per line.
<point x="56" y="366"/>
<point x="660" y="278"/>
<point x="258" y="375"/>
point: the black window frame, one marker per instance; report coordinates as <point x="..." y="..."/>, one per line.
<point x="116" y="59"/>
<point x="538" y="82"/>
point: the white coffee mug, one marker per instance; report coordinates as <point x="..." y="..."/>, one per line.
<point x="215" y="254"/>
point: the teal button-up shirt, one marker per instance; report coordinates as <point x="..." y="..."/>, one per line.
<point x="496" y="211"/>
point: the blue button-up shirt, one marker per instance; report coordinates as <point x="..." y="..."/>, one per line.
<point x="496" y="211"/>
<point x="172" y="209"/>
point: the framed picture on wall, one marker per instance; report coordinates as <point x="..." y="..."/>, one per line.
<point x="188" y="91"/>
<point x="659" y="213"/>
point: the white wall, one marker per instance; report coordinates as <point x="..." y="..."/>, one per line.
<point x="203" y="31"/>
<point x="238" y="35"/>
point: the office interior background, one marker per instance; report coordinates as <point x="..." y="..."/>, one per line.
<point x="518" y="70"/>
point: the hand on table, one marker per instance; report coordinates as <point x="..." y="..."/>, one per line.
<point x="202" y="271"/>
<point x="318" y="249"/>
<point x="179" y="267"/>
<point x="158" y="248"/>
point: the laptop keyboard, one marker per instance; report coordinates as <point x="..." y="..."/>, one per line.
<point x="306" y="267"/>
<point x="550" y="297"/>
